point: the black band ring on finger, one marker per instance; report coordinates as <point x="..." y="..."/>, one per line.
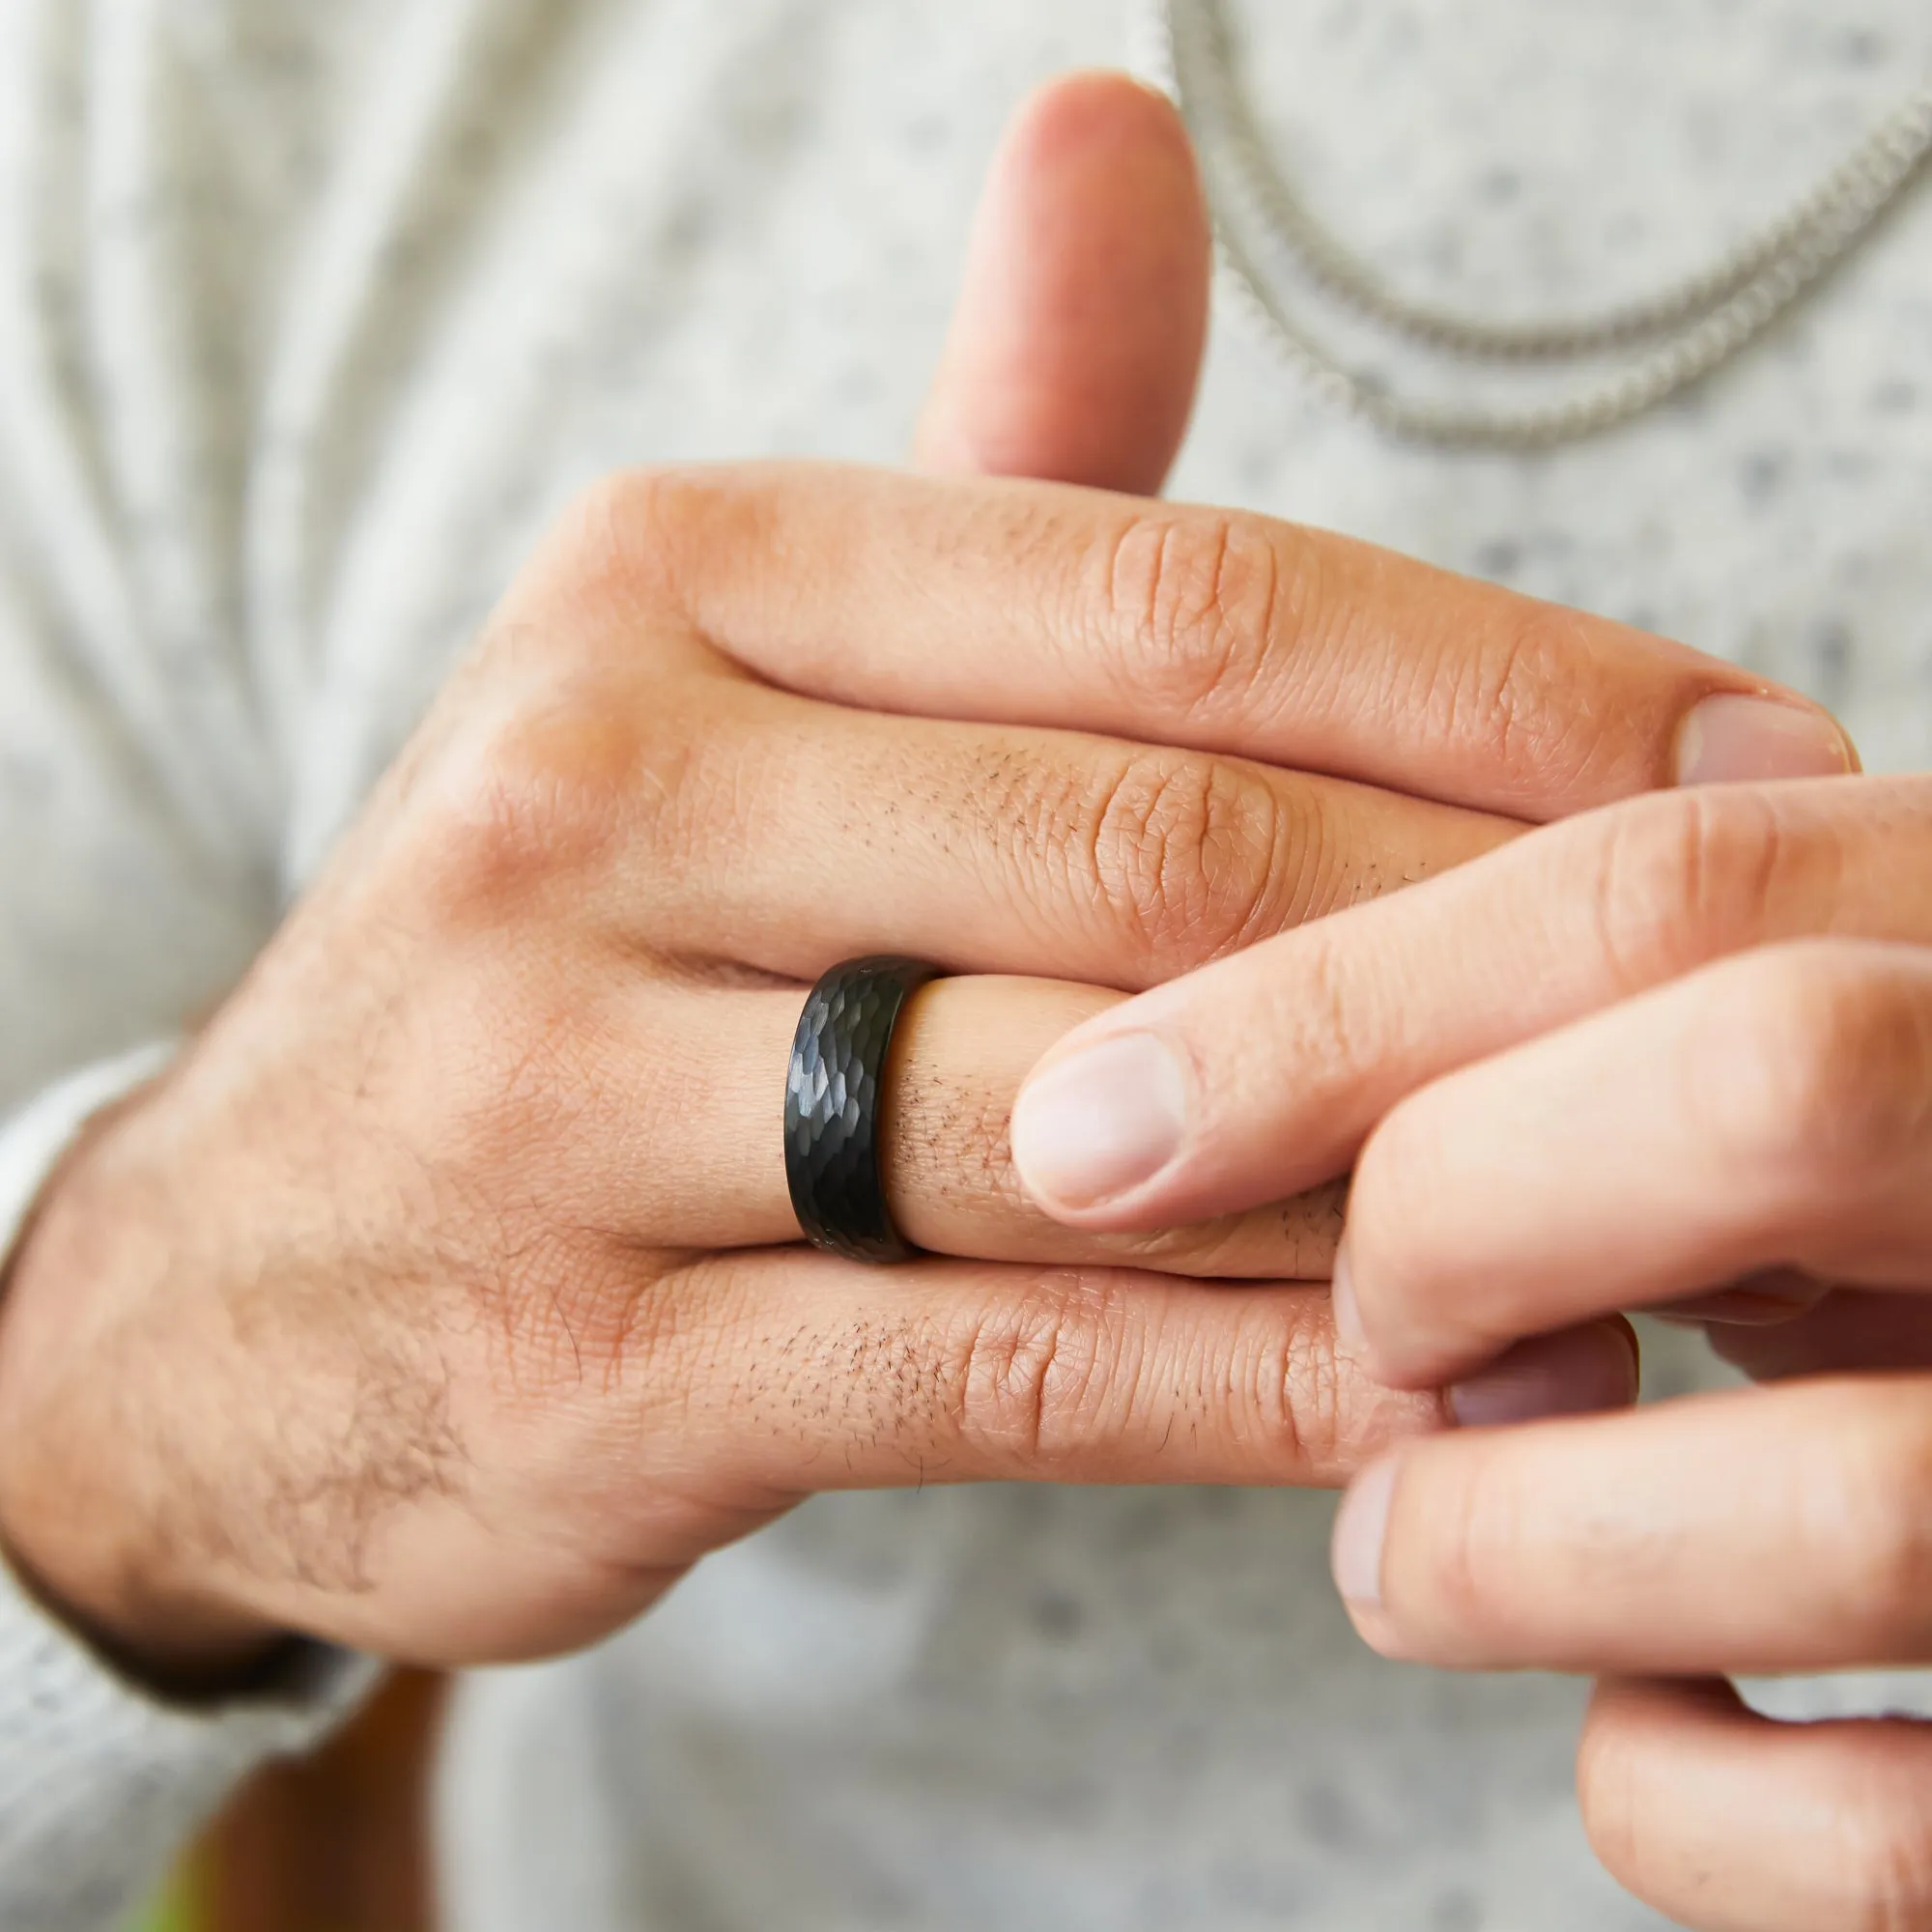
<point x="833" y="1109"/>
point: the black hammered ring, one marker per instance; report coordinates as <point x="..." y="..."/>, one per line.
<point x="833" y="1099"/>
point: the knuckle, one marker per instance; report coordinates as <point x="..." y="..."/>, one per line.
<point x="1187" y="852"/>
<point x="1676" y="878"/>
<point x="1191" y="604"/>
<point x="545" y="784"/>
<point x="1512" y="694"/>
<point x="596" y="522"/>
<point x="1066" y="1378"/>
<point x="1030" y="1379"/>
<point x="1297" y="1413"/>
<point x="1817" y="1059"/>
<point x="622" y="534"/>
<point x="548" y="747"/>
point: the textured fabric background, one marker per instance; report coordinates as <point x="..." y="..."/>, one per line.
<point x="311" y="315"/>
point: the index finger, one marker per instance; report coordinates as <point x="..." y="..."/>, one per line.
<point x="1034" y="603"/>
<point x="1262" y="1073"/>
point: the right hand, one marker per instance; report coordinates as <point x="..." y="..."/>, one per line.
<point x="445" y="1299"/>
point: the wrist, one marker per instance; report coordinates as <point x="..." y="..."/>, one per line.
<point x="82" y="1524"/>
<point x="169" y="1645"/>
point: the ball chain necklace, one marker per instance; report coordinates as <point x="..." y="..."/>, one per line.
<point x="1266" y="236"/>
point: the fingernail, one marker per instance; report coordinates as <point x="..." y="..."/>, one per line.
<point x="1732" y="737"/>
<point x="1356" y="1552"/>
<point x="1576" y="1373"/>
<point x="1349" y="1335"/>
<point x="1100" y="1122"/>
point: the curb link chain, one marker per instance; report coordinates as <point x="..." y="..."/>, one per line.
<point x="1677" y="337"/>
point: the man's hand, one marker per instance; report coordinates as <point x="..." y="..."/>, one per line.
<point x="446" y="1300"/>
<point x="1677" y="1054"/>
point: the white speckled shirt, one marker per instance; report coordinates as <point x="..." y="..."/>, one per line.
<point x="311" y="314"/>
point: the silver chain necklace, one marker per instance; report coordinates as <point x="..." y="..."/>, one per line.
<point x="1666" y="341"/>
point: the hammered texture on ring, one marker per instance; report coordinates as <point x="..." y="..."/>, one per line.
<point x="833" y="1100"/>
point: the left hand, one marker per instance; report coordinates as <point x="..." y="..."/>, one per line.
<point x="1678" y="1049"/>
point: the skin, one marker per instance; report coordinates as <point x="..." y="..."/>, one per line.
<point x="1673" y="1054"/>
<point x="444" y="1299"/>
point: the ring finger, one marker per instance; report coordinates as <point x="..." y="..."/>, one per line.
<point x="820" y="834"/>
<point x="960" y="1053"/>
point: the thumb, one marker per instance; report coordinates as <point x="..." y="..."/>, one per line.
<point x="1076" y="342"/>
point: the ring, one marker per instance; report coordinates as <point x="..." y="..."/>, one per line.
<point x="833" y="1091"/>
